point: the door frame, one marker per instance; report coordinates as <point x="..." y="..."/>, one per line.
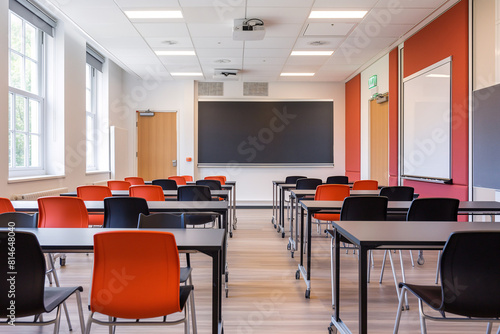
<point x="370" y="139"/>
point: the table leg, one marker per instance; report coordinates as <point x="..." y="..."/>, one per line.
<point x="216" y="292"/>
<point x="281" y="228"/>
<point x="291" y="242"/>
<point x="363" y="290"/>
<point x="308" y="276"/>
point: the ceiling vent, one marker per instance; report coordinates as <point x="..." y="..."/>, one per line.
<point x="226" y="74"/>
<point x="210" y="89"/>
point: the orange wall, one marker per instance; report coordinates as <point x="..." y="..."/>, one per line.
<point x="353" y="128"/>
<point x="446" y="36"/>
<point x="393" y="117"/>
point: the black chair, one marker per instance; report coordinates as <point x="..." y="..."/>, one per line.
<point x="293" y="179"/>
<point x="32" y="298"/>
<point x="19" y="219"/>
<point x="171" y="220"/>
<point x="337" y="179"/>
<point x="212" y="184"/>
<point x="308" y="183"/>
<point x="166" y="184"/>
<point x="195" y="193"/>
<point x="123" y="212"/>
<point x="470" y="272"/>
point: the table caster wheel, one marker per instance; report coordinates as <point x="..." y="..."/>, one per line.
<point x="292" y="255"/>
<point x="227" y="277"/>
<point x="230" y="234"/>
<point x="297" y="274"/>
<point x="62" y="261"/>
<point x="289" y="246"/>
<point x="283" y="235"/>
<point x="420" y="260"/>
<point x="227" y="293"/>
<point x="308" y="294"/>
<point x="279" y="229"/>
<point x="272" y="221"/>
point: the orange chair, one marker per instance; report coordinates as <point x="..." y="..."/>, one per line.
<point x="134" y="180"/>
<point x="149" y="289"/>
<point x="220" y="178"/>
<point x="330" y="192"/>
<point x="365" y="185"/>
<point x="94" y="193"/>
<point x="188" y="178"/>
<point x="61" y="211"/>
<point x="6" y="205"/>
<point x="148" y="192"/>
<point x="181" y="181"/>
<point x="118" y="185"/>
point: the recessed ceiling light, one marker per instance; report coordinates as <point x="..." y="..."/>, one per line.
<point x="311" y="53"/>
<point x="186" y="74"/>
<point x="154" y="14"/>
<point x="175" y="53"/>
<point x="435" y="75"/>
<point x="318" y="43"/>
<point x="289" y="74"/>
<point x="223" y="61"/>
<point x="337" y="14"/>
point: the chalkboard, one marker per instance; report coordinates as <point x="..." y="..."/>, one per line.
<point x="265" y="133"/>
<point x="486" y="137"/>
<point x="426" y="123"/>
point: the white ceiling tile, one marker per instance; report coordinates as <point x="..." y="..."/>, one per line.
<point x="163" y="43"/>
<point x="214" y="62"/>
<point x="268" y="61"/>
<point x="267" y="53"/>
<point x="212" y="14"/>
<point x="219" y="53"/>
<point x="214" y="43"/>
<point x="328" y="29"/>
<point x="410" y="4"/>
<point x="373" y="29"/>
<point x="301" y="68"/>
<point x="304" y="43"/>
<point x="404" y="16"/>
<point x="148" y="4"/>
<point x="278" y="15"/>
<point x="283" y="30"/>
<point x="280" y="3"/>
<point x="210" y="30"/>
<point x="162" y="29"/>
<point x="344" y="4"/>
<point x="179" y="60"/>
<point x="310" y="60"/>
<point x="271" y="43"/>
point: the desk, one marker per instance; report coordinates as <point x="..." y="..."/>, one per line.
<point x="312" y="207"/>
<point x="168" y="193"/>
<point x="369" y="235"/>
<point x="206" y="241"/>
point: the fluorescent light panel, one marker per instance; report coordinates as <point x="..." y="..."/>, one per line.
<point x="311" y="53"/>
<point x="175" y="53"/>
<point x="438" y="75"/>
<point x="186" y="74"/>
<point x="154" y="14"/>
<point x="337" y="14"/>
<point x="290" y="74"/>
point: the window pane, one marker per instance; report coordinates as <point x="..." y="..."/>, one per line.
<point x="31" y="78"/>
<point x="10" y="111"/>
<point x="88" y="76"/>
<point x="16" y="33"/>
<point x="90" y="128"/>
<point x="16" y="71"/>
<point x="20" y="142"/>
<point x="34" y="151"/>
<point x="30" y="43"/>
<point x="20" y="113"/>
<point x="88" y="100"/>
<point x="34" y="120"/>
<point x="90" y="155"/>
<point x="10" y="149"/>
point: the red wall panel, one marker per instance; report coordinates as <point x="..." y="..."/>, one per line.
<point x="353" y="128"/>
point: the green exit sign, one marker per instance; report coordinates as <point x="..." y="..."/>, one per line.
<point x="372" y="82"/>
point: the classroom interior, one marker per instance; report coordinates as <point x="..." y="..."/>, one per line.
<point x="264" y="296"/>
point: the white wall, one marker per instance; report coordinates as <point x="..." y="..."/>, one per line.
<point x="69" y="105"/>
<point x="381" y="69"/>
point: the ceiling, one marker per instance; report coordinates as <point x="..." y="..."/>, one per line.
<point x="206" y="28"/>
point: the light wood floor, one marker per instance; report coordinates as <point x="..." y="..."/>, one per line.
<point x="265" y="297"/>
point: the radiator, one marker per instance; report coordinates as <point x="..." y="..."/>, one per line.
<point x="34" y="195"/>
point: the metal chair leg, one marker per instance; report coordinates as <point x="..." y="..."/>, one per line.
<point x="398" y="314"/>
<point x="437" y="267"/>
<point x="383" y="267"/>
<point x="423" y="327"/>
<point x="403" y="277"/>
<point x="56" y="280"/>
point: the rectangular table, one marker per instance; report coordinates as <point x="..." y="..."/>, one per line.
<point x="369" y="235"/>
<point x="207" y="241"/>
<point x="312" y="207"/>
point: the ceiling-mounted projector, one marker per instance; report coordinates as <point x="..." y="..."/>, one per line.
<point x="248" y="30"/>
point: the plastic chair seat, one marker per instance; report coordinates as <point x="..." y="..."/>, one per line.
<point x="53" y="296"/>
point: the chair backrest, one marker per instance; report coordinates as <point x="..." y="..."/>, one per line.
<point x="166" y="184"/>
<point x="220" y="178"/>
<point x="188" y="178"/>
<point x="332" y="192"/>
<point x="212" y="184"/>
<point x="134" y="180"/>
<point x="161" y="220"/>
<point x="364" y="208"/>
<point x="433" y="209"/>
<point x="29" y="280"/>
<point x="6" y="205"/>
<point x="337" y="179"/>
<point x="365" y="185"/>
<point x="308" y="183"/>
<point x="18" y="219"/>
<point x="178" y="179"/>
<point x="61" y="211"/>
<point x="142" y="290"/>
<point x="194" y="193"/>
<point x="293" y="179"/>
<point x="123" y="212"/>
<point x="398" y="193"/>
<point x="470" y="273"/>
<point x="93" y="193"/>
<point x="148" y="192"/>
<point x="118" y="185"/>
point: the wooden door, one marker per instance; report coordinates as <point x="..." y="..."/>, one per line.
<point x="379" y="142"/>
<point x="157" y="145"/>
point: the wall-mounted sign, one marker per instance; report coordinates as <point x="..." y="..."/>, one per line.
<point x="372" y="81"/>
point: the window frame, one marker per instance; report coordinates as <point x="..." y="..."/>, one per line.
<point x="93" y="114"/>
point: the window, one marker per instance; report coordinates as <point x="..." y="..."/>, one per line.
<point x="92" y="88"/>
<point x="27" y="60"/>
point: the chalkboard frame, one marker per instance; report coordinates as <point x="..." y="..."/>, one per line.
<point x="327" y="131"/>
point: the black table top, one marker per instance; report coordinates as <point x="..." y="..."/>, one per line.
<point x="393" y="234"/>
<point x="82" y="239"/>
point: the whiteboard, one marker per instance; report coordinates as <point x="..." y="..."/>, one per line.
<point x="427" y="123"/>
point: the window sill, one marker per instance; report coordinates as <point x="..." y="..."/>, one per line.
<point x="95" y="172"/>
<point x="34" y="178"/>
